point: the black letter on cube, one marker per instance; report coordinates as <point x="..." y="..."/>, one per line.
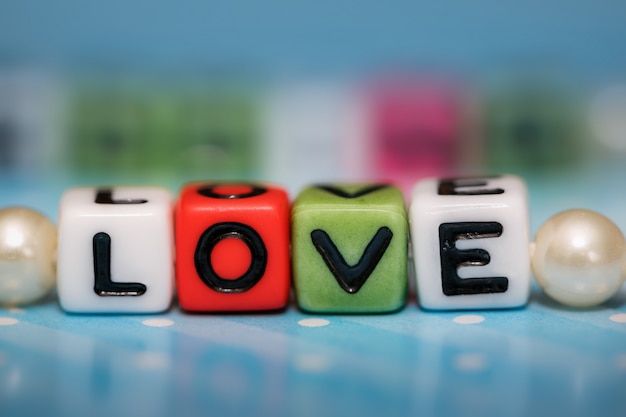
<point x="105" y="196"/>
<point x="451" y="187"/>
<point x="209" y="191"/>
<point x="452" y="258"/>
<point x="359" y="193"/>
<point x="103" y="285"/>
<point x="352" y="278"/>
<point x="211" y="237"/>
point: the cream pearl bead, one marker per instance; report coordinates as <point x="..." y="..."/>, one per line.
<point x="28" y="243"/>
<point x="578" y="258"/>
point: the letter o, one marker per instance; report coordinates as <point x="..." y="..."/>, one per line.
<point x="209" y="191"/>
<point x="215" y="234"/>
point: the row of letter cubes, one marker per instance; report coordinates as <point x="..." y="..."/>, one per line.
<point x="237" y="247"/>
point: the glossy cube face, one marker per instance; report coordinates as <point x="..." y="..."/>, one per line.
<point x="232" y="247"/>
<point x="470" y="243"/>
<point x="115" y="250"/>
<point x="349" y="248"/>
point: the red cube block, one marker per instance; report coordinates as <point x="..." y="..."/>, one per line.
<point x="232" y="247"/>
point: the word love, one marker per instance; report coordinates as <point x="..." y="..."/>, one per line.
<point x="237" y="247"/>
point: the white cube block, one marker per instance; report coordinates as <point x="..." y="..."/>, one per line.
<point x="470" y="239"/>
<point x="115" y="250"/>
<point x="306" y="129"/>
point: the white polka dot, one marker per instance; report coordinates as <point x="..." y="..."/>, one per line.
<point x="8" y="321"/>
<point x="618" y="318"/>
<point x="468" y="319"/>
<point x="312" y="363"/>
<point x="313" y="322"/>
<point x="157" y="322"/>
<point x="470" y="362"/>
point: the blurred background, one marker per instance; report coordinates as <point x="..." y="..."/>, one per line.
<point x="165" y="92"/>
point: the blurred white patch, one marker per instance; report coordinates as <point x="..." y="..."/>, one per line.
<point x="607" y="117"/>
<point x="312" y="363"/>
<point x="8" y="321"/>
<point x="305" y="132"/>
<point x="152" y="360"/>
<point x="13" y="380"/>
<point x="314" y="322"/>
<point x="618" y="318"/>
<point x="470" y="362"/>
<point x="157" y="322"/>
<point x="468" y="319"/>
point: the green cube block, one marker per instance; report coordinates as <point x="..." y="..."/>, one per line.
<point x="532" y="128"/>
<point x="220" y="134"/>
<point x="349" y="248"/>
<point x="105" y="130"/>
<point x="143" y="128"/>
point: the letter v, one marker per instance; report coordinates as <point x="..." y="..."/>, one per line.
<point x="352" y="278"/>
<point x="345" y="194"/>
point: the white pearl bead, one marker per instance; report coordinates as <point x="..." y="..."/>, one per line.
<point x="578" y="256"/>
<point x="28" y="243"/>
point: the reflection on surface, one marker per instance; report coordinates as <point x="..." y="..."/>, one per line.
<point x="533" y="361"/>
<point x="116" y="370"/>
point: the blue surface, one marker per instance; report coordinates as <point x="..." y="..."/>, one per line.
<point x="541" y="360"/>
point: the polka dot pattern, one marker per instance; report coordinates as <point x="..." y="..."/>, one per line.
<point x="468" y="319"/>
<point x="314" y="322"/>
<point x="158" y="322"/>
<point x="8" y="321"/>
